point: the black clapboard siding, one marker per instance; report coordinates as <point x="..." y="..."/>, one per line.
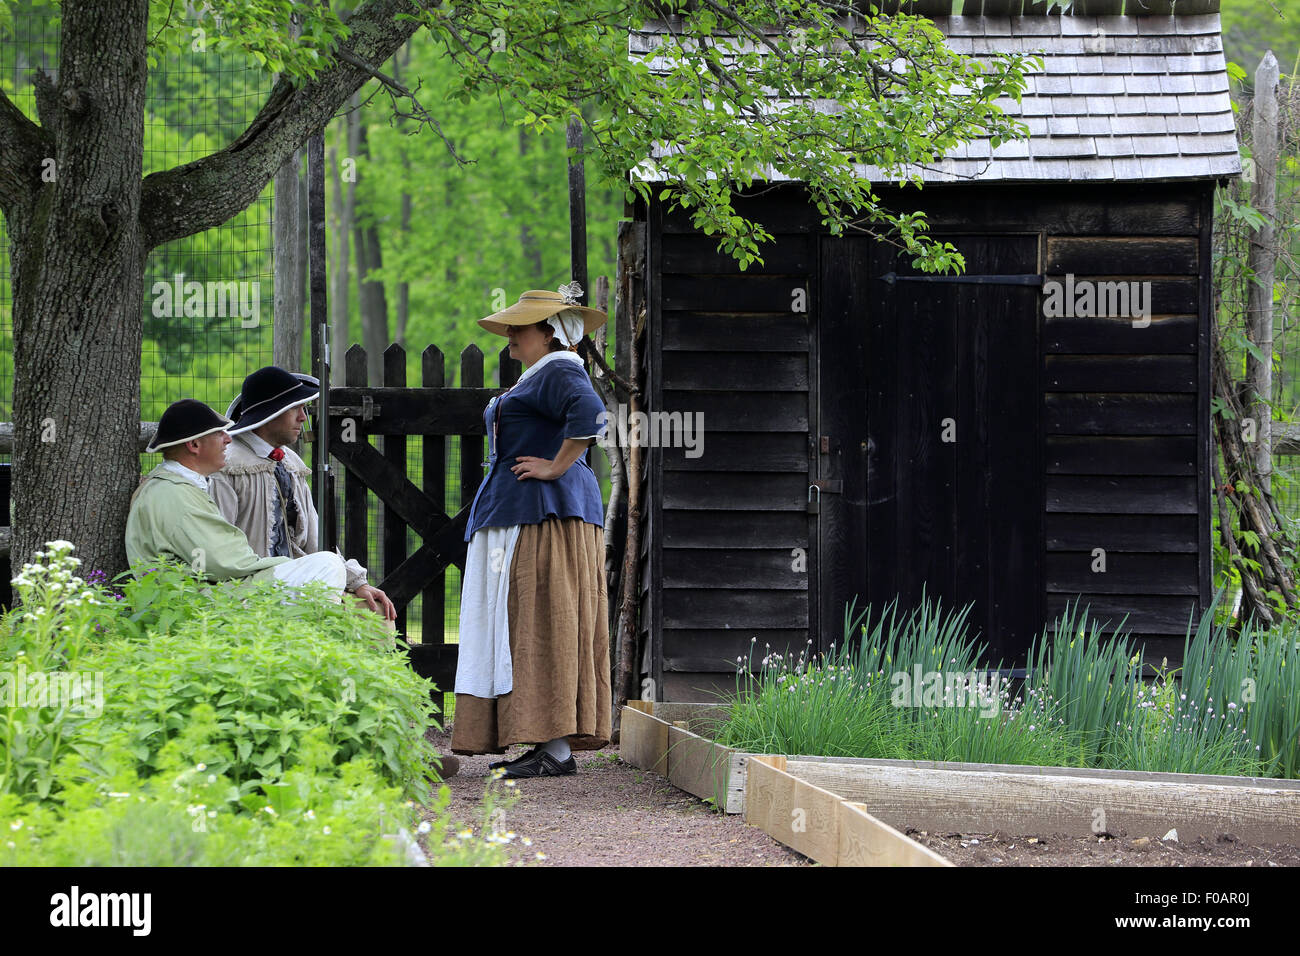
<point x="742" y="451"/>
<point x="1117" y="455"/>
<point x="735" y="568"/>
<point x="735" y="529"/>
<point x="737" y="371"/>
<point x="1119" y="413"/>
<point x="1147" y="614"/>
<point x="1117" y="255"/>
<point x="1100" y="494"/>
<point x="1109" y="292"/>
<point x="716" y="650"/>
<point x="1120" y="373"/>
<point x="749" y="412"/>
<point x="749" y="608"/>
<point x="783" y="209"/>
<point x="1082" y="210"/>
<point x="1083" y="532"/>
<point x="737" y="294"/>
<point x="734" y="491"/>
<point x="1166" y="335"/>
<point x="1085" y="209"/>
<point x="696" y="686"/>
<point x="699" y="255"/>
<point x="1071" y="572"/>
<point x="745" y="332"/>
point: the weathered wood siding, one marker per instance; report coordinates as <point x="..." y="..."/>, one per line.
<point x="1093" y="431"/>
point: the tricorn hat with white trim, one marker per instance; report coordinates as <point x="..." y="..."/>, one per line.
<point x="269" y="392"/>
<point x="185" y="421"/>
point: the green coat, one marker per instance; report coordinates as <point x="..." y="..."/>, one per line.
<point x="172" y="517"/>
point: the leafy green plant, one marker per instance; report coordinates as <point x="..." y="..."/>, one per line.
<point x="266" y="674"/>
<point x="241" y="725"/>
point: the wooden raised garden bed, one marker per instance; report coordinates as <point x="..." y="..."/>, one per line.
<point x="943" y="797"/>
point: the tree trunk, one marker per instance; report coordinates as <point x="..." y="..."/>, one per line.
<point x="345" y="204"/>
<point x="374" y="304"/>
<point x="78" y="256"/>
<point x="286" y="339"/>
<point x="403" y="287"/>
<point x="289" y="230"/>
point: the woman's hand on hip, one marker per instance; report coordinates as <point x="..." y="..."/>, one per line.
<point x="528" y="466"/>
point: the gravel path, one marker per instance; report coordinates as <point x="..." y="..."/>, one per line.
<point x="612" y="814"/>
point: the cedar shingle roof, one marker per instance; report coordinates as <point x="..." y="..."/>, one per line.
<point x="1120" y="98"/>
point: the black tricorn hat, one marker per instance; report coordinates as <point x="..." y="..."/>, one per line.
<point x="185" y="421"/>
<point x="269" y="392"/>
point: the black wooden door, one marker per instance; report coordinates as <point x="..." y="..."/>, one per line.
<point x="930" y="419"/>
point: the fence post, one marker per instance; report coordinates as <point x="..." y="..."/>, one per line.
<point x="394" y="543"/>
<point x="356" y="541"/>
<point x="433" y="610"/>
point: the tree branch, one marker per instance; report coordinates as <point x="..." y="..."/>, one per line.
<point x="23" y="145"/>
<point x="203" y="194"/>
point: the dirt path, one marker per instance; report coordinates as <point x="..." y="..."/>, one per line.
<point x="612" y="814"/>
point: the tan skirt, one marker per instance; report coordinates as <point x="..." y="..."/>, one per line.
<point x="559" y="647"/>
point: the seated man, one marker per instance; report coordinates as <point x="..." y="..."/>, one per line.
<point x="173" y="516"/>
<point x="262" y="490"/>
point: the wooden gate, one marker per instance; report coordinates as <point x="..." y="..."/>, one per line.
<point x="431" y="413"/>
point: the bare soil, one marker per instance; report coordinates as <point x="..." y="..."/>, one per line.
<point x="612" y="814"/>
<point x="1000" y="849"/>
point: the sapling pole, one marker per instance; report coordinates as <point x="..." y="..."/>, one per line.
<point x="1263" y="261"/>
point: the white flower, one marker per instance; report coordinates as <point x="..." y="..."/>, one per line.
<point x="424" y="827"/>
<point x="310" y="814"/>
<point x="201" y="766"/>
<point x="325" y="830"/>
<point x="18" y="824"/>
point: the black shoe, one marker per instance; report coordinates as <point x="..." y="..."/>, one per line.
<point x="496" y="765"/>
<point x="540" y="764"/>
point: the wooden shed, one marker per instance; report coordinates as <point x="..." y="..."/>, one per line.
<point x="870" y="432"/>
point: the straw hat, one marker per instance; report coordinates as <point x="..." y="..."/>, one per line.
<point x="537" y="304"/>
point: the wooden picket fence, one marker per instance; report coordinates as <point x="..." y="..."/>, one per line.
<point x="433" y="413"/>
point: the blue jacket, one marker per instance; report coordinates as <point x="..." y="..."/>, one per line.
<point x="552" y="401"/>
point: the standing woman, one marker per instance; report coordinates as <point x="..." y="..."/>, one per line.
<point x="534" y="639"/>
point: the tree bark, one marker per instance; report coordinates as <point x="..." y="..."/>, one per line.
<point x="403" y="287"/>
<point x="345" y="204"/>
<point x="78" y="259"/>
<point x="370" y="294"/>
<point x="289" y="230"/>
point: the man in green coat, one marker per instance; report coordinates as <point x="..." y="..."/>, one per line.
<point x="173" y="515"/>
